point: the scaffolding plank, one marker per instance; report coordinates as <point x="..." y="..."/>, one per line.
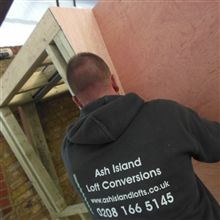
<point x="29" y="57"/>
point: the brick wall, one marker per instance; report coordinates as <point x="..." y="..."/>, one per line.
<point x="3" y="65"/>
<point x="5" y="205"/>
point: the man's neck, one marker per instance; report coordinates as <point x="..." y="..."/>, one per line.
<point x="89" y="97"/>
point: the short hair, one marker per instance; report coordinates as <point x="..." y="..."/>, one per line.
<point x="85" y="70"/>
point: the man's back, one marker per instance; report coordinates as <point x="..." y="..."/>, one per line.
<point x="131" y="159"/>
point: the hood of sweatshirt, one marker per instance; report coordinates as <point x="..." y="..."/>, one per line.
<point x="105" y="119"/>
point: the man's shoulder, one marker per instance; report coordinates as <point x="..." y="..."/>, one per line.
<point x="165" y="103"/>
<point x="165" y="108"/>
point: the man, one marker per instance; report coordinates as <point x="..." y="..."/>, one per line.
<point x="131" y="159"/>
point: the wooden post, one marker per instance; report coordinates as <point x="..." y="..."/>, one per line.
<point x="34" y="132"/>
<point x="31" y="163"/>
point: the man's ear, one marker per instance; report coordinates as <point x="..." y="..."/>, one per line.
<point x="114" y="84"/>
<point x="77" y="101"/>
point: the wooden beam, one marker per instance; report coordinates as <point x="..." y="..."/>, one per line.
<point x="64" y="46"/>
<point x="34" y="132"/>
<point x="59" y="62"/>
<point x="37" y="87"/>
<point x="73" y="210"/>
<point x="29" y="57"/>
<point x="45" y="89"/>
<point x="38" y="79"/>
<point x="27" y="97"/>
<point x="31" y="163"/>
<point x="35" y="81"/>
<point x="22" y="98"/>
<point x="35" y="84"/>
<point x="56" y="90"/>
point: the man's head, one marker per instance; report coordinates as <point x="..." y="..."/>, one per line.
<point x="89" y="77"/>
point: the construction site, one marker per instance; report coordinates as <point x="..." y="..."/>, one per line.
<point x="166" y="50"/>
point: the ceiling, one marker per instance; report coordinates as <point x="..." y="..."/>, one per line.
<point x="23" y="16"/>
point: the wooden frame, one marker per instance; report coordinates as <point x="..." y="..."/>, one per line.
<point x="31" y="55"/>
<point x="54" y="42"/>
<point x="31" y="163"/>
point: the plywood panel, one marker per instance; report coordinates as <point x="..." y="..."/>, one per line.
<point x="167" y="49"/>
<point x="81" y="30"/>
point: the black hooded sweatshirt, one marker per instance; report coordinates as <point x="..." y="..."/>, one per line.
<point x="131" y="159"/>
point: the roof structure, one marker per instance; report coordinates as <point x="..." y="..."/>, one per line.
<point x="59" y="35"/>
<point x="38" y="72"/>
